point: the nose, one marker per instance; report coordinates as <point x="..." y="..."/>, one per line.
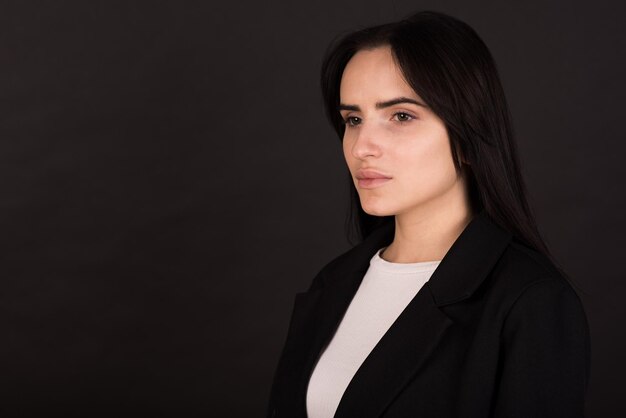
<point x="366" y="142"/>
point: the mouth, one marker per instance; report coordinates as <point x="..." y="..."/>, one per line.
<point x="371" y="183"/>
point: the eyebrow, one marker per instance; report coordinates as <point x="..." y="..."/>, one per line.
<point x="382" y="105"/>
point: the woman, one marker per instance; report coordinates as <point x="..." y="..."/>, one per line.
<point x="451" y="305"/>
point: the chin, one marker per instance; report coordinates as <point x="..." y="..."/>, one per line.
<point x="375" y="210"/>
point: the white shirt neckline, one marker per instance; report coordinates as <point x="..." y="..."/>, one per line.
<point x="403" y="268"/>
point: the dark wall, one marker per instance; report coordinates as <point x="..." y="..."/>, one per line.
<point x="168" y="182"/>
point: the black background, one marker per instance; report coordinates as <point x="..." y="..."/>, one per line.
<point x="168" y="182"/>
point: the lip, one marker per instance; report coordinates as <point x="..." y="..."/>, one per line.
<point x="368" y="173"/>
<point x="372" y="183"/>
<point x="368" y="178"/>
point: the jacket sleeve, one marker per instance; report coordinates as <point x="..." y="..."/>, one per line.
<point x="545" y="350"/>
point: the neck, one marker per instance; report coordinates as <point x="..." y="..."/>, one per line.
<point x="427" y="232"/>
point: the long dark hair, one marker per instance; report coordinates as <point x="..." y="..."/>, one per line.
<point x="449" y="66"/>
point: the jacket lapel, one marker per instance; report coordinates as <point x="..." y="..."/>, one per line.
<point x="411" y="339"/>
<point x="395" y="359"/>
<point x="317" y="314"/>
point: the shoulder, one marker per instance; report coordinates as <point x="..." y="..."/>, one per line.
<point x="529" y="287"/>
<point x="521" y="267"/>
<point x="543" y="337"/>
<point x="355" y="258"/>
<point x="544" y="323"/>
<point x="328" y="270"/>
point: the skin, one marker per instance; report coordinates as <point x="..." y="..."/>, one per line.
<point x="409" y="143"/>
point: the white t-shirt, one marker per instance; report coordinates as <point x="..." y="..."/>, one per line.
<point x="386" y="289"/>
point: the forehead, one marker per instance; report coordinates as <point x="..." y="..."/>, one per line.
<point x="372" y="74"/>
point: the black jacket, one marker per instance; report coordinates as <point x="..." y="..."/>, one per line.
<point x="497" y="331"/>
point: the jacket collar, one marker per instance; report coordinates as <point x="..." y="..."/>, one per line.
<point x="411" y="338"/>
<point x="461" y="271"/>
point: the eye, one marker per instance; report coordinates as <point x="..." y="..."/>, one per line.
<point x="403" y="117"/>
<point x="352" y="121"/>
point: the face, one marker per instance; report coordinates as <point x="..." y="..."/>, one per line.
<point x="390" y="130"/>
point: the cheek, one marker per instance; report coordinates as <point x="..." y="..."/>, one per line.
<point x="426" y="164"/>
